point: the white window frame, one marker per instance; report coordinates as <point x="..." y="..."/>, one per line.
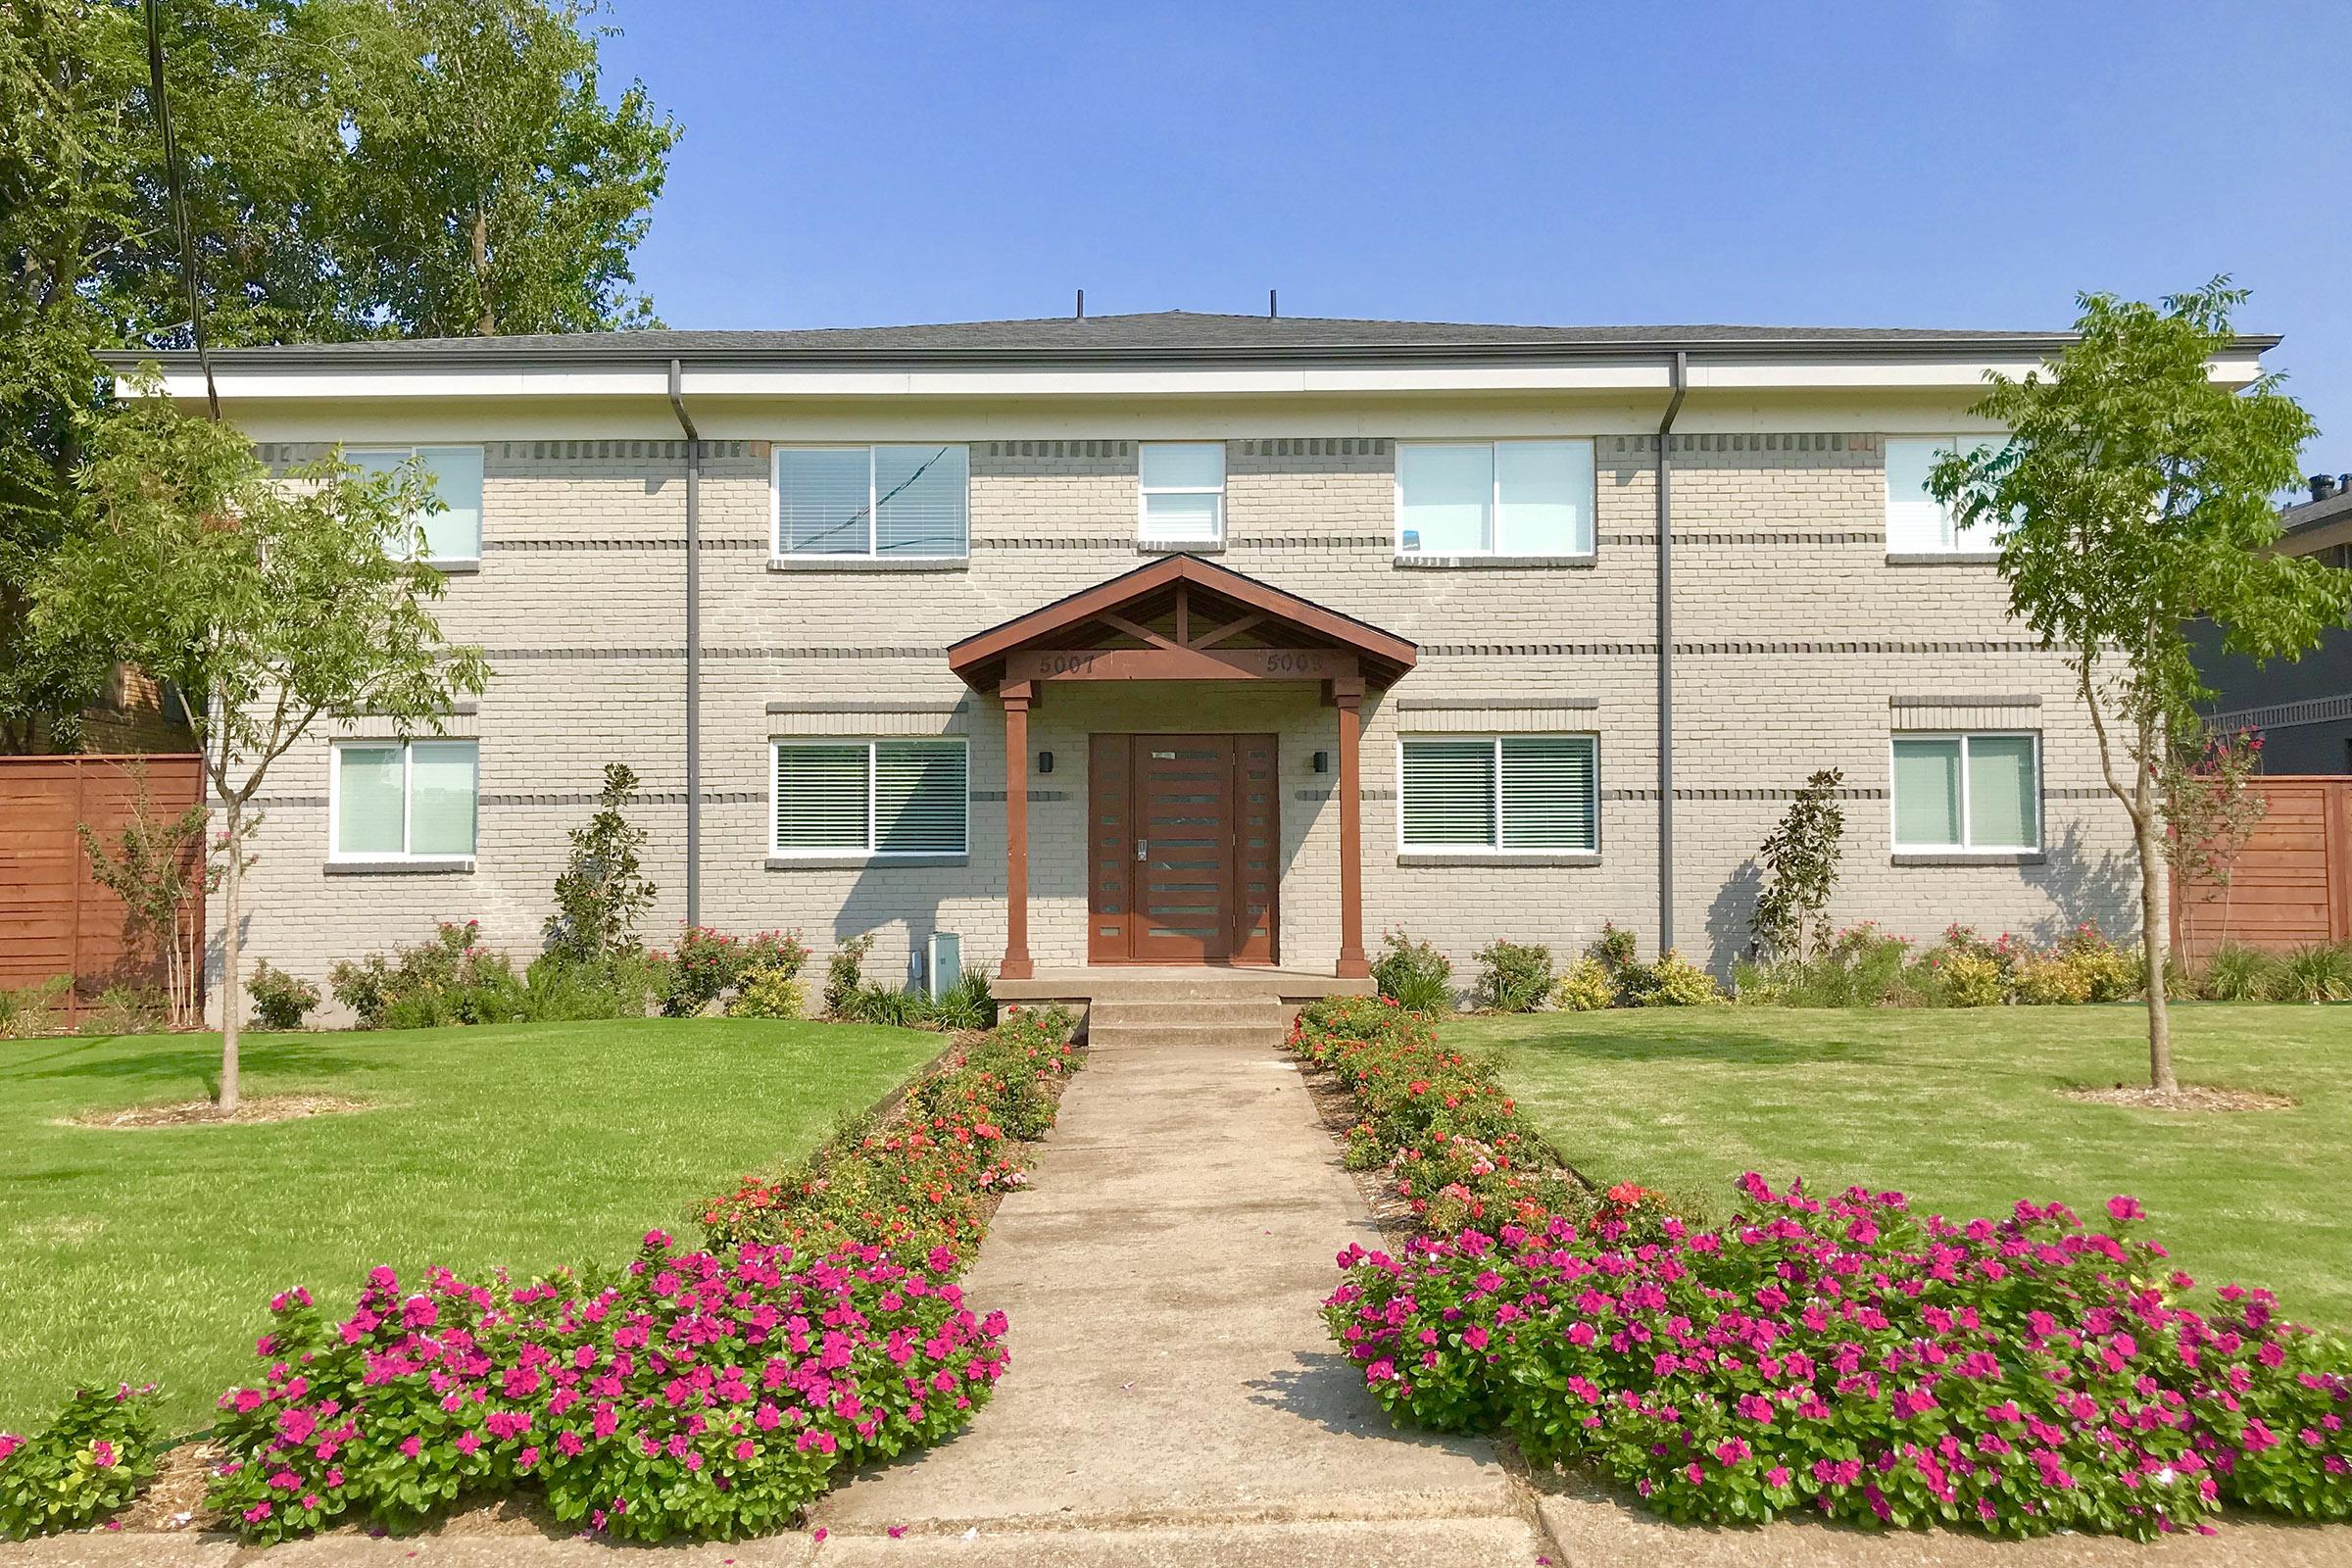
<point x="1951" y="543"/>
<point x="1967" y="844"/>
<point x="335" y="854"/>
<point x="1500" y="547"/>
<point x="1144" y="493"/>
<point x="873" y="502"/>
<point x="1495" y="850"/>
<point x="481" y="504"/>
<point x="873" y="823"/>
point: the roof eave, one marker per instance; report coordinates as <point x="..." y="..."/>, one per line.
<point x="609" y="355"/>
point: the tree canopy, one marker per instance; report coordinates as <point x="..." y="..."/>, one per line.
<point x="351" y="168"/>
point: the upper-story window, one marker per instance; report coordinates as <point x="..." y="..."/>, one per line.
<point x="905" y="503"/>
<point x="453" y="535"/>
<point x="1494" y="498"/>
<point x="1183" y="485"/>
<point x="1917" y="524"/>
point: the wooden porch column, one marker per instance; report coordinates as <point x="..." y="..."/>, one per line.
<point x="1016" y="965"/>
<point x="1348" y="697"/>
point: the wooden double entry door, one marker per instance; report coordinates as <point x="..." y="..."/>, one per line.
<point x="1183" y="849"/>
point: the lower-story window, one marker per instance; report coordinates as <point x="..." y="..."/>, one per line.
<point x="403" y="800"/>
<point x="1968" y="792"/>
<point x="902" y="797"/>
<point x="1499" y="792"/>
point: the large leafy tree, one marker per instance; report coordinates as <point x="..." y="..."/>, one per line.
<point x="2133" y="497"/>
<point x="351" y="169"/>
<point x="278" y="603"/>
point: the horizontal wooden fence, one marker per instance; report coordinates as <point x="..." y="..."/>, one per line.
<point x="2291" y="884"/>
<point x="54" y="917"/>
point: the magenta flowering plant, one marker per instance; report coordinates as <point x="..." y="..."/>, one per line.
<point x="86" y="1464"/>
<point x="704" y="1395"/>
<point x="1856" y="1361"/>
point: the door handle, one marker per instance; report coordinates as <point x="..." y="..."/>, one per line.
<point x="1139" y="851"/>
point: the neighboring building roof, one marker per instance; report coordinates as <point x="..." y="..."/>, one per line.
<point x="2314" y="525"/>
<point x="1160" y="335"/>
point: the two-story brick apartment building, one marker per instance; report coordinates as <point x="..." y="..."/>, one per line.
<point x="1184" y="638"/>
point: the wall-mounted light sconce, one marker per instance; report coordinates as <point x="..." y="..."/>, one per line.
<point x="1322" y="762"/>
<point x="1045" y="762"/>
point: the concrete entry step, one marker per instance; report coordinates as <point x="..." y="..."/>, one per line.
<point x="1256" y="1040"/>
<point x="1316" y="1543"/>
<point x="1232" y="1013"/>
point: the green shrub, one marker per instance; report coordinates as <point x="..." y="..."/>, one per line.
<point x="845" y="974"/>
<point x="2316" y="971"/>
<point x="770" y="994"/>
<point x="31" y="1011"/>
<point x="86" y="1464"/>
<point x="1513" y="976"/>
<point x="966" y="1005"/>
<point x="708" y="964"/>
<point x="279" y="1000"/>
<point x="893" y="1005"/>
<point x="1972" y="980"/>
<point x="2235" y="974"/>
<point x="2108" y="974"/>
<point x="1414" y="975"/>
<point x="559" y="989"/>
<point x="1674" y="981"/>
<point x="452" y="979"/>
<point x="1613" y="949"/>
<point x="127" y="1009"/>
<point x="2050" y="981"/>
<point x="1586" y="987"/>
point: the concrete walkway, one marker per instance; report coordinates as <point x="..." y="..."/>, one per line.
<point x="1170" y="1368"/>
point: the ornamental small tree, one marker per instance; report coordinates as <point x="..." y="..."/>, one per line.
<point x="2210" y="811"/>
<point x="1801" y="869"/>
<point x="156" y="865"/>
<point x="273" y="605"/>
<point x="600" y="891"/>
<point x="2132" y="497"/>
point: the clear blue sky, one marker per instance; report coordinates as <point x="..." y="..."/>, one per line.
<point x="1953" y="163"/>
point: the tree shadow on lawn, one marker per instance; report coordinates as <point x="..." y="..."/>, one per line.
<point x="199" y="1058"/>
<point x="1742" y="1048"/>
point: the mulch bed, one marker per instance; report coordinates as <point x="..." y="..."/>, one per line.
<point x="2188" y="1097"/>
<point x="203" y="1112"/>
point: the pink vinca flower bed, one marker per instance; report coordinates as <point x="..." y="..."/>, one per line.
<point x="706" y="1394"/>
<point x="1854" y="1360"/>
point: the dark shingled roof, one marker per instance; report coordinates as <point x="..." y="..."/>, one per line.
<point x="1157" y="336"/>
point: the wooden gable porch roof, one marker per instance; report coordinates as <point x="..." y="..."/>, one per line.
<point x="1263" y="615"/>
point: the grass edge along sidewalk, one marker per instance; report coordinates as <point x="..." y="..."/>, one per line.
<point x="702" y="1392"/>
<point x="1847" y="1360"/>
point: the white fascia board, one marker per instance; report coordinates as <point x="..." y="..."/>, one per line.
<point x="342" y="385"/>
<point x="1233" y="382"/>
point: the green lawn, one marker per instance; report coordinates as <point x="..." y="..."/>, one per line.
<point x="150" y="1255"/>
<point x="1959" y="1110"/>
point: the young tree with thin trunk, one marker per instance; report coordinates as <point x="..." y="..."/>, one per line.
<point x="2132" y="497"/>
<point x="276" y="602"/>
<point x="158" y="866"/>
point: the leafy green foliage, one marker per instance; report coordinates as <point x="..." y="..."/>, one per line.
<point x="1800" y="868"/>
<point x="86" y="1464"/>
<point x="2134" y="496"/>
<point x="1587" y="987"/>
<point x="845" y="974"/>
<point x="158" y="868"/>
<point x="1414" y="975"/>
<point x="1514" y="976"/>
<point x="602" y="889"/>
<point x="770" y="994"/>
<point x="280" y="1000"/>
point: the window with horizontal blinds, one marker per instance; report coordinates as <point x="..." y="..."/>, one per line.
<point x="1511" y="498"/>
<point x="1549" y="800"/>
<point x="1532" y="793"/>
<point x="881" y="797"/>
<point x="920" y="797"/>
<point x="822" y="797"/>
<point x="1183" y="489"/>
<point x="1448" y="794"/>
<point x="872" y="500"/>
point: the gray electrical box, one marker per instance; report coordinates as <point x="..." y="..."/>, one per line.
<point x="943" y="963"/>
